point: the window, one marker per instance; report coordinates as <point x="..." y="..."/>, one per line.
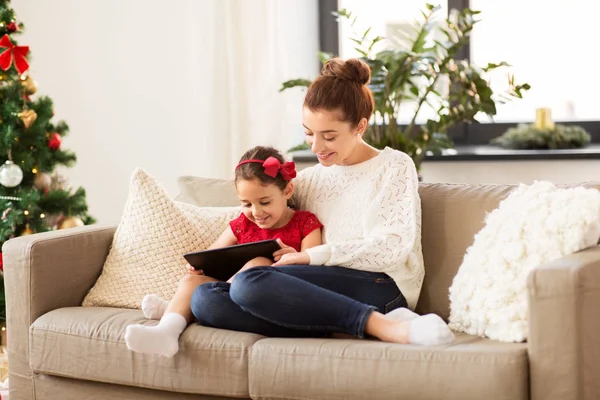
<point x="385" y="17"/>
<point x="550" y="46"/>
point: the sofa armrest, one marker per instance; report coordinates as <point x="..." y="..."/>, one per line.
<point x="44" y="272"/>
<point x="564" y="328"/>
<point x="55" y="269"/>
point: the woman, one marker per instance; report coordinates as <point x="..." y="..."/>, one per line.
<point x="371" y="262"/>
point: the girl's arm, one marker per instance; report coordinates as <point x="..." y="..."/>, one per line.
<point x="313" y="239"/>
<point x="288" y="255"/>
<point x="227" y="238"/>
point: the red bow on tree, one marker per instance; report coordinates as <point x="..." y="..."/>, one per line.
<point x="273" y="166"/>
<point x="19" y="53"/>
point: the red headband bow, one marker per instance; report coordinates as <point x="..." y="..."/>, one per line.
<point x="272" y="166"/>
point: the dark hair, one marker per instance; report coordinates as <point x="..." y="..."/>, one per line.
<point x="250" y="171"/>
<point x="342" y="87"/>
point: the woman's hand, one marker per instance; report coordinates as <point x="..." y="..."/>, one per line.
<point x="301" y="258"/>
<point x="193" y="271"/>
<point x="285" y="249"/>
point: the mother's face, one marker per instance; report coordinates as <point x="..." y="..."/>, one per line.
<point x="332" y="140"/>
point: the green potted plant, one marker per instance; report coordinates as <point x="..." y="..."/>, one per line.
<point x="426" y="72"/>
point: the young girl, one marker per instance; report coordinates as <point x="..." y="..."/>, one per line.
<point x="263" y="182"/>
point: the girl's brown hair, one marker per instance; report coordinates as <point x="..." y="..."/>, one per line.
<point x="251" y="171"/>
<point x="342" y="87"/>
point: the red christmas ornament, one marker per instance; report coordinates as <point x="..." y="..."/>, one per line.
<point x="54" y="141"/>
<point x="1" y="263"/>
<point x="12" y="27"/>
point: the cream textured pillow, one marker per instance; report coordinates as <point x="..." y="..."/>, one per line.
<point x="533" y="225"/>
<point x="147" y="250"/>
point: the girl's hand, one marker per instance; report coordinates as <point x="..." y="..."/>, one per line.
<point x="301" y="258"/>
<point x="192" y="271"/>
<point x="285" y="249"/>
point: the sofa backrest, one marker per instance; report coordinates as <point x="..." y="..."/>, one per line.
<point x="451" y="216"/>
<point x="207" y="192"/>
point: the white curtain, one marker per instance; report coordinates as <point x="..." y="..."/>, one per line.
<point x="261" y="43"/>
<point x="175" y="88"/>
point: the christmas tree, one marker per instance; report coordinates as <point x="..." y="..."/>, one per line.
<point x="33" y="198"/>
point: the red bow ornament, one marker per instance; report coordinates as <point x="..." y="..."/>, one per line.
<point x="18" y="53"/>
<point x="272" y="166"/>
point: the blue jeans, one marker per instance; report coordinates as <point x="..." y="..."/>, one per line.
<point x="296" y="301"/>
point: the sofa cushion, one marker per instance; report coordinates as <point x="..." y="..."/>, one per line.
<point x="87" y="343"/>
<point x="469" y="368"/>
<point x="534" y="225"/>
<point x="146" y="254"/>
<point x="451" y="216"/>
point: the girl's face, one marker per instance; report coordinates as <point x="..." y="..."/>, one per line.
<point x="333" y="141"/>
<point x="264" y="204"/>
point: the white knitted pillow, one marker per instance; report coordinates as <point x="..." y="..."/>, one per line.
<point x="533" y="225"/>
<point x="147" y="250"/>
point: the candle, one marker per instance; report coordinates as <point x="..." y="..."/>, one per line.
<point x="543" y="119"/>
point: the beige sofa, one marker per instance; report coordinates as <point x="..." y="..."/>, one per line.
<point x="59" y="350"/>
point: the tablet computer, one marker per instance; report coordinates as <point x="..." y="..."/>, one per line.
<point x="224" y="262"/>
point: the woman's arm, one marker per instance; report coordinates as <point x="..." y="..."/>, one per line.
<point x="392" y="226"/>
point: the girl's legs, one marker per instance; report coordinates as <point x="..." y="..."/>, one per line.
<point x="155" y="307"/>
<point x="285" y="301"/>
<point x="163" y="339"/>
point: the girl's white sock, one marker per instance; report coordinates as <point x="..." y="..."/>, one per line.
<point x="161" y="339"/>
<point x="153" y="306"/>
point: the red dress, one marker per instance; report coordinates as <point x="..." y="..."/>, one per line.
<point x="301" y="224"/>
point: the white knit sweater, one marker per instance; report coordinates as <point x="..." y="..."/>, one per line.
<point x="371" y="214"/>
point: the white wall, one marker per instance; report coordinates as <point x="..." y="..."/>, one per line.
<point x="153" y="84"/>
<point x="503" y="172"/>
<point x="507" y="172"/>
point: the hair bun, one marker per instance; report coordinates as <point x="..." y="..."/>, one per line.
<point x="352" y="69"/>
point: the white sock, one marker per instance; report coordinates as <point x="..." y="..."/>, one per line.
<point x="154" y="307"/>
<point x="403" y="314"/>
<point x="429" y="330"/>
<point x="162" y="339"/>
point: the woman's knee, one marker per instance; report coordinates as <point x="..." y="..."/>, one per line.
<point x="258" y="262"/>
<point x="249" y="287"/>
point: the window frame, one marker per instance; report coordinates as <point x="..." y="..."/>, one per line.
<point x="461" y="134"/>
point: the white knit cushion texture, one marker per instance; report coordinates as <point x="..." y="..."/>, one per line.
<point x="147" y="250"/>
<point x="535" y="224"/>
